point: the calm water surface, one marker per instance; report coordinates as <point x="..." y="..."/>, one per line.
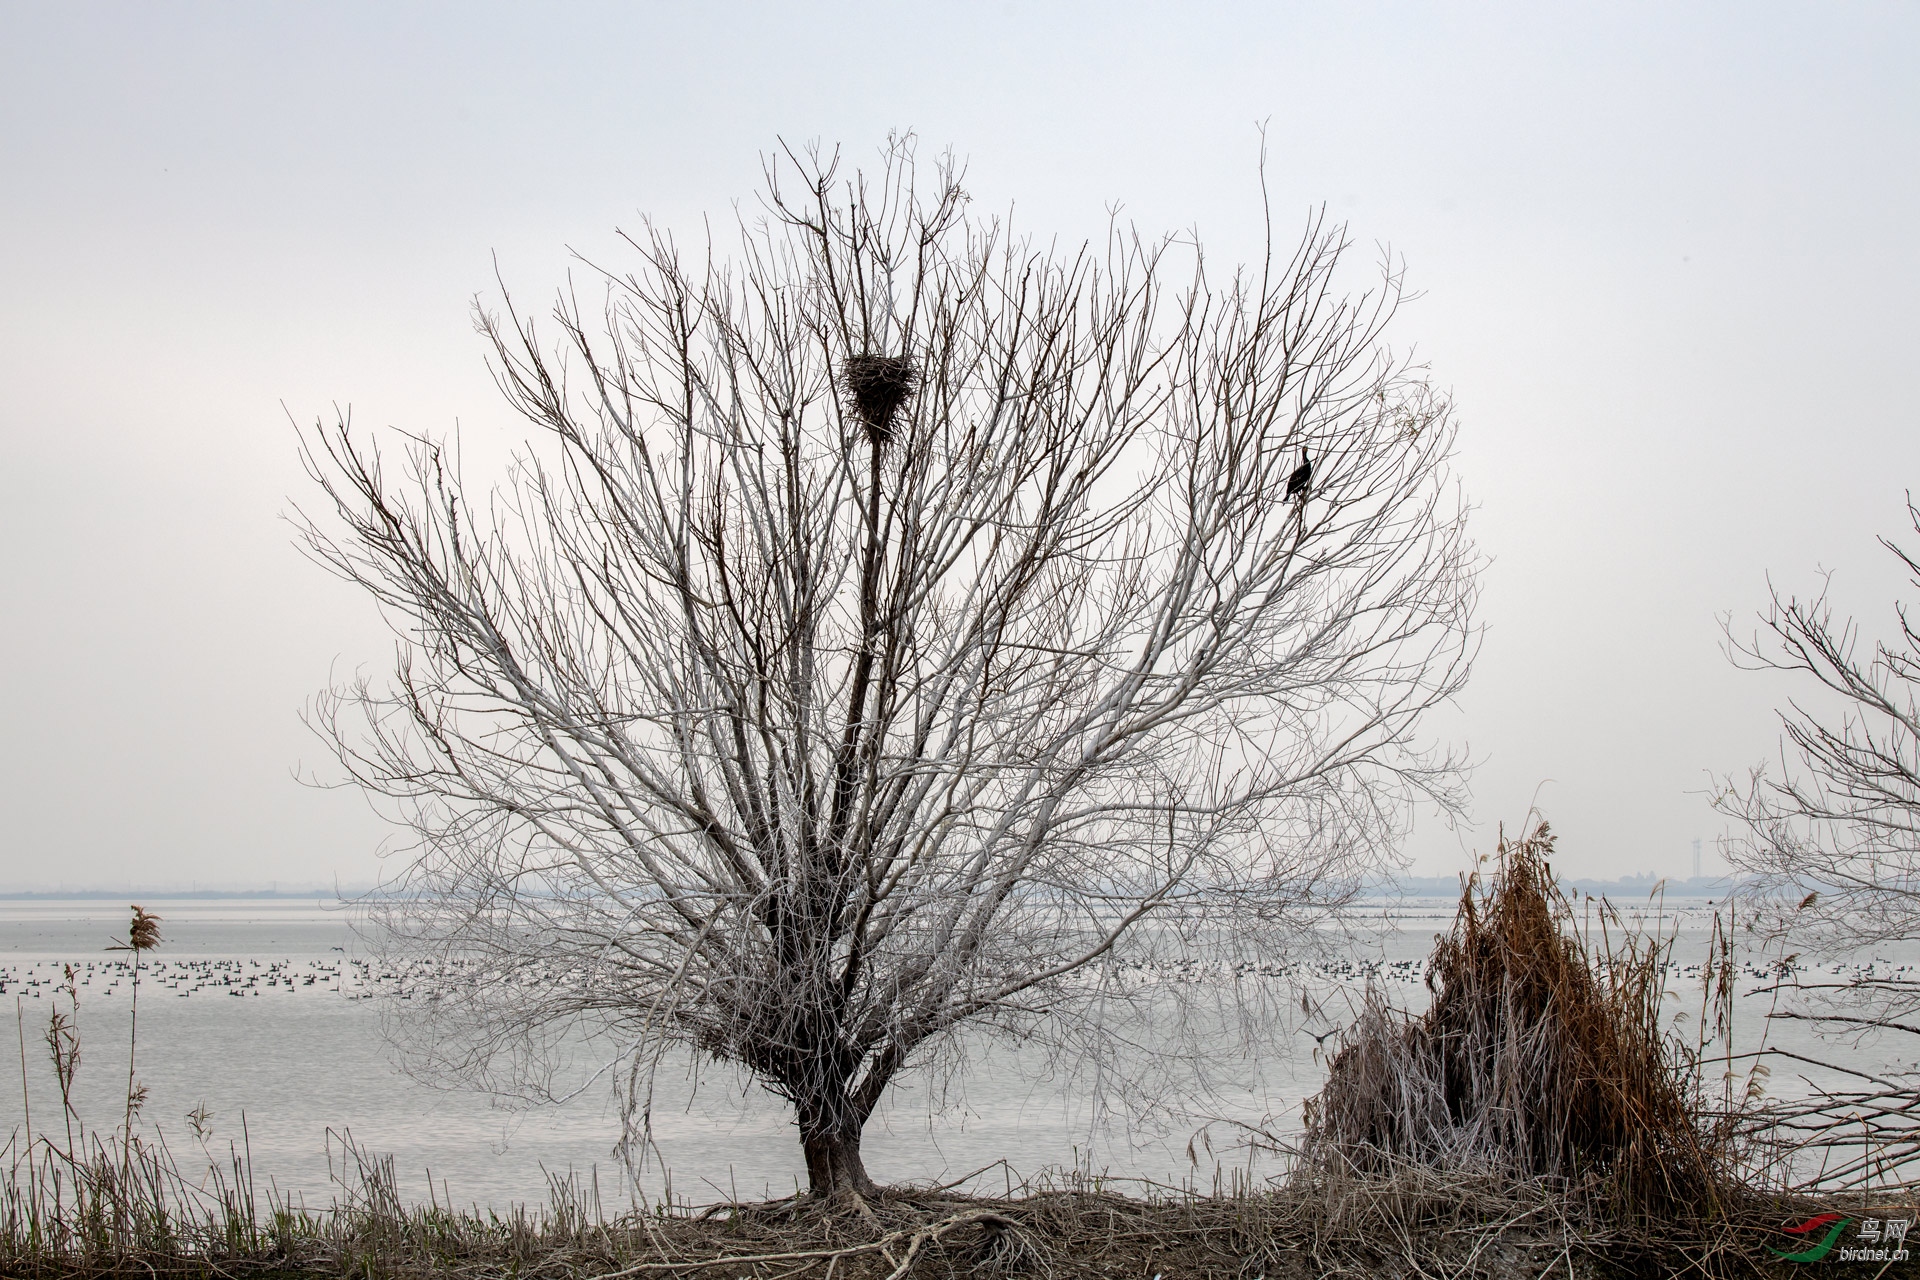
<point x="263" y="1010"/>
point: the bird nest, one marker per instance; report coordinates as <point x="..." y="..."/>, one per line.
<point x="879" y="387"/>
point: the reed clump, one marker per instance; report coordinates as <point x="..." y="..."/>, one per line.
<point x="1542" y="1060"/>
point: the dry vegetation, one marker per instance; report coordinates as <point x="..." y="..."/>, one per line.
<point x="1540" y="1058"/>
<point x="1407" y="1221"/>
<point x="1540" y="1118"/>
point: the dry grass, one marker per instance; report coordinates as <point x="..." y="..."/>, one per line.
<point x="1412" y="1221"/>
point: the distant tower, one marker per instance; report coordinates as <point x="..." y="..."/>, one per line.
<point x="1696" y="857"/>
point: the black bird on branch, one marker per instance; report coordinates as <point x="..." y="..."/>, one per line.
<point x="1302" y="476"/>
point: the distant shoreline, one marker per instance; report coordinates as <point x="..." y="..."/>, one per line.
<point x="1631" y="888"/>
<point x="165" y="895"/>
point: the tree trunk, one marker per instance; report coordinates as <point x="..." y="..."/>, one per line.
<point x="834" y="1166"/>
<point x="832" y="1114"/>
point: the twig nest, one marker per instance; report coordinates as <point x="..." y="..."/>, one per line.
<point x="879" y="386"/>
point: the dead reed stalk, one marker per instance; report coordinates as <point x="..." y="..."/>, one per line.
<point x="143" y="935"/>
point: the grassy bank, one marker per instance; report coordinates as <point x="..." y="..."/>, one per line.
<point x="1412" y="1222"/>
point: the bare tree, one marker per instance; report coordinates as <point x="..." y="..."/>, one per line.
<point x="889" y="630"/>
<point x="1830" y="841"/>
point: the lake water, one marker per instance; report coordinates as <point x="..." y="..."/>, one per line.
<point x="267" y="1010"/>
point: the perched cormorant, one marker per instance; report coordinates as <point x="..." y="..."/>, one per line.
<point x="1302" y="476"/>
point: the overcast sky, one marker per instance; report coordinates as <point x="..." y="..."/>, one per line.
<point x="1668" y="257"/>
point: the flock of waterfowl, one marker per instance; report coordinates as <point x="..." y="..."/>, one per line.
<point x="355" y="978"/>
<point x="352" y="978"/>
